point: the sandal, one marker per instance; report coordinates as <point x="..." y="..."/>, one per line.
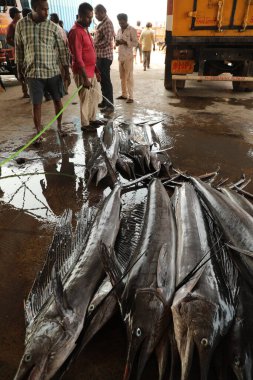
<point x="129" y="101"/>
<point x="121" y="97"/>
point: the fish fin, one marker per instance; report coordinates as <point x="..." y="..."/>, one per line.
<point x="239" y="250"/>
<point x="42" y="287"/>
<point x="129" y="233"/>
<point x="141" y="179"/>
<point x="111" y="264"/>
<point x="63" y="254"/>
<point x="59" y="296"/>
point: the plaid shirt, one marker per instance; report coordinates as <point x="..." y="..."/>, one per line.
<point x="103" y="40"/>
<point x="40" y="48"/>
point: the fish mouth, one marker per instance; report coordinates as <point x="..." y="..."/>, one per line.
<point x="31" y="373"/>
<point x="140" y="354"/>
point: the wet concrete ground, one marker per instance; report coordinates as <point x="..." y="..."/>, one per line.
<point x="207" y="126"/>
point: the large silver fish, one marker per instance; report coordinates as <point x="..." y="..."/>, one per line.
<point x="145" y="300"/>
<point x="238" y="200"/>
<point x="109" y="140"/>
<point x="203" y="307"/>
<point x="236" y="224"/>
<point x="52" y="336"/>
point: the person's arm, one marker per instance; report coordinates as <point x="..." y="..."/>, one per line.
<point x="153" y="40"/>
<point x="63" y="54"/>
<point x="75" y="44"/>
<point x="10" y="35"/>
<point x="133" y="42"/>
<point x="19" y="52"/>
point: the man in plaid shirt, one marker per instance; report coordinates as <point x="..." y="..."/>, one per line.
<point x="104" y="48"/>
<point x="39" y="51"/>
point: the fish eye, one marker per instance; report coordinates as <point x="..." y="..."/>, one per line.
<point x="91" y="307"/>
<point x="237" y="361"/>
<point x="138" y="332"/>
<point x="204" y="342"/>
<point x="28" y="358"/>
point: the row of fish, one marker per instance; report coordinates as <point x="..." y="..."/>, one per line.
<point x="180" y="269"/>
<point x="130" y="149"/>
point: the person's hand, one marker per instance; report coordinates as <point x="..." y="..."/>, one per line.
<point x="20" y="74"/>
<point x="86" y="83"/>
<point x="98" y="76"/>
<point x="67" y="79"/>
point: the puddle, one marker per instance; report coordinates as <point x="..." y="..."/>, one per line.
<point x="53" y="177"/>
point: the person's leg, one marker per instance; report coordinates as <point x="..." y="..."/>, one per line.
<point x="106" y="83"/>
<point x="37" y="116"/>
<point x="148" y="59"/>
<point x="58" y="107"/>
<point x="93" y="99"/>
<point x="84" y="104"/>
<point x="129" y="68"/>
<point x="140" y="48"/>
<point x="122" y="73"/>
<point x="36" y="90"/>
<point x="55" y="87"/>
<point x="99" y="65"/>
<point x="145" y="60"/>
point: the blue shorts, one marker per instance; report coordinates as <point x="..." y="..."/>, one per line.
<point x="38" y="86"/>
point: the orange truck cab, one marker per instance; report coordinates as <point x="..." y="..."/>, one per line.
<point x="210" y="37"/>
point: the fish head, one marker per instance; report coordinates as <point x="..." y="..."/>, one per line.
<point x="242" y="366"/>
<point x="47" y="347"/>
<point x="101" y="171"/>
<point x="197" y="325"/>
<point x="145" y="325"/>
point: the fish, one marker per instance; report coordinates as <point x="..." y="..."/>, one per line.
<point x="203" y="306"/>
<point x="125" y="166"/>
<point x="139" y="146"/>
<point x="109" y="141"/>
<point x="52" y="335"/>
<point x="239" y="347"/>
<point x="236" y="224"/>
<point x="146" y="297"/>
<point x="238" y="199"/>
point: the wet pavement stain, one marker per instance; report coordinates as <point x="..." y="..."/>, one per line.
<point x="201" y="103"/>
<point x="53" y="177"/>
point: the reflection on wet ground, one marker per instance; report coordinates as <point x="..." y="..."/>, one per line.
<point x="53" y="177"/>
<point x="201" y="103"/>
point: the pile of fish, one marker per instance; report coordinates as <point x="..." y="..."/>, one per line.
<point x="180" y="268"/>
<point x="130" y="149"/>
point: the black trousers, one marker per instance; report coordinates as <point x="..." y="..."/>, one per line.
<point x="104" y="66"/>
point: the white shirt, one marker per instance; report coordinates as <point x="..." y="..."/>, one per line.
<point x="130" y="36"/>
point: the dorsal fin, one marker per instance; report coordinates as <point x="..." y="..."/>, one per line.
<point x="128" y="236"/>
<point x="63" y="255"/>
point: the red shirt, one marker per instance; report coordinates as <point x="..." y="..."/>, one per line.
<point x="82" y="50"/>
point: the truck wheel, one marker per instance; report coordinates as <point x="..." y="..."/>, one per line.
<point x="237" y="87"/>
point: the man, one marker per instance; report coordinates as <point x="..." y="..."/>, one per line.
<point x="103" y="42"/>
<point x="139" y="46"/>
<point x="15" y="15"/>
<point x="147" y="39"/>
<point x="55" y="19"/>
<point x="84" y="67"/>
<point x="126" y="40"/>
<point x="26" y="11"/>
<point x="39" y="50"/>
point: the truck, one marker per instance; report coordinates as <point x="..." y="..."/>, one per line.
<point x="211" y="38"/>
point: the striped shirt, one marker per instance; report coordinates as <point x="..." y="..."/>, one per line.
<point x="103" y="40"/>
<point x="39" y="48"/>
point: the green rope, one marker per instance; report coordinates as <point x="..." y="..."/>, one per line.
<point x="14" y="155"/>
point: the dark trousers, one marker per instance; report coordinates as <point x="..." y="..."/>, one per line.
<point x="104" y="66"/>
